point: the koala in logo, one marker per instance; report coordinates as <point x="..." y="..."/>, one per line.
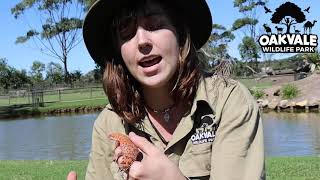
<point x="206" y="132"/>
<point x="205" y="122"/>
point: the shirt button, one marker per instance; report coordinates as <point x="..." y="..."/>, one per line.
<point x="208" y="166"/>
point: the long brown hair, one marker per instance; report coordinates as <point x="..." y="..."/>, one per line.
<point x="124" y="92"/>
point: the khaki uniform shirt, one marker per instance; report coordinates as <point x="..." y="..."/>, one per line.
<point x="221" y="138"/>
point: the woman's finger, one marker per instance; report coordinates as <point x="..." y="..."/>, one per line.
<point x="135" y="170"/>
<point x="72" y="175"/>
<point x="143" y="144"/>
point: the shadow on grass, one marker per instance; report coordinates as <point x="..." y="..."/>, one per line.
<point x="20" y="110"/>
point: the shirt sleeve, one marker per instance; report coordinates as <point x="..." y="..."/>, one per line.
<point x="100" y="156"/>
<point x="238" y="149"/>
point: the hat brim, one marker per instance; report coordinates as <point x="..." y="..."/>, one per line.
<point x="98" y="38"/>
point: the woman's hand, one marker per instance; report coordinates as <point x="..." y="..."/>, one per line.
<point x="154" y="165"/>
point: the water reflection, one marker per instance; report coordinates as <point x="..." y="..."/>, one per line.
<point x="292" y="134"/>
<point x="69" y="137"/>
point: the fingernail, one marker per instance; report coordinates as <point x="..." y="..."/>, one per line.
<point x="132" y="134"/>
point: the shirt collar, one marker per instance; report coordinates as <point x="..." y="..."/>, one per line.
<point x="201" y="95"/>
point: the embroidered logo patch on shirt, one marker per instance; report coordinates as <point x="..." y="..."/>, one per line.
<point x="206" y="132"/>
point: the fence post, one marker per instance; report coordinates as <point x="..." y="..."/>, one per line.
<point x="90" y="92"/>
<point x="9" y="99"/>
<point x="59" y="92"/>
<point x="29" y="94"/>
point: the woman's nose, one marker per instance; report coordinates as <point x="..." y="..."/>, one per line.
<point x="143" y="39"/>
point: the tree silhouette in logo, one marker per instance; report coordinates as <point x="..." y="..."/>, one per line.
<point x="288" y="14"/>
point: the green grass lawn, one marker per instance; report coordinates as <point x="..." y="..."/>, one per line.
<point x="252" y="83"/>
<point x="54" y="96"/>
<point x="277" y="168"/>
<point x="40" y="170"/>
<point x="293" y="168"/>
<point x="27" y="109"/>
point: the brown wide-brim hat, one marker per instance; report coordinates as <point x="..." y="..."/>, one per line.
<point x="97" y="32"/>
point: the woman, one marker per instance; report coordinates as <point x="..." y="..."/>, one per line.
<point x="187" y="124"/>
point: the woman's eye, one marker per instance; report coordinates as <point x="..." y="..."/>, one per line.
<point x="153" y="26"/>
<point x="127" y="28"/>
<point x="154" y="23"/>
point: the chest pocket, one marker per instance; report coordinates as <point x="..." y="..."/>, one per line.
<point x="196" y="162"/>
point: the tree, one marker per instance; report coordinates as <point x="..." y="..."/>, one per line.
<point x="11" y="77"/>
<point x="37" y="69"/>
<point x="216" y="49"/>
<point x="97" y="73"/>
<point x="248" y="47"/>
<point x="248" y="50"/>
<point x="4" y="74"/>
<point x="249" y="19"/>
<point x="75" y="76"/>
<point x="288" y="14"/>
<point x="239" y="68"/>
<point x="60" y="21"/>
<point x="94" y="75"/>
<point x="243" y="22"/>
<point x="54" y="73"/>
<point x="18" y="79"/>
<point x="219" y="40"/>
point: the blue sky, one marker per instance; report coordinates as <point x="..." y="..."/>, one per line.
<point x="21" y="56"/>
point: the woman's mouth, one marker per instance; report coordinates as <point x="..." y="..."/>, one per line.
<point x="151" y="62"/>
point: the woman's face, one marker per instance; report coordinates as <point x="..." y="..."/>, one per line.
<point x="149" y="45"/>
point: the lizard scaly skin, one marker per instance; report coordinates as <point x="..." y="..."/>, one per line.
<point x="129" y="151"/>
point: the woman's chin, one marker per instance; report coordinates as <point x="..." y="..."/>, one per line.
<point x="153" y="82"/>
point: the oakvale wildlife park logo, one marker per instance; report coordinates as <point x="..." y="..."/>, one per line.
<point x="205" y="132"/>
<point x="285" y="36"/>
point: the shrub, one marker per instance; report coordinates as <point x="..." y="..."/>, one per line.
<point x="257" y="93"/>
<point x="289" y="91"/>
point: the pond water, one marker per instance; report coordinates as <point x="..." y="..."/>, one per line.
<point x="292" y="134"/>
<point x="69" y="137"/>
<point x="56" y="137"/>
